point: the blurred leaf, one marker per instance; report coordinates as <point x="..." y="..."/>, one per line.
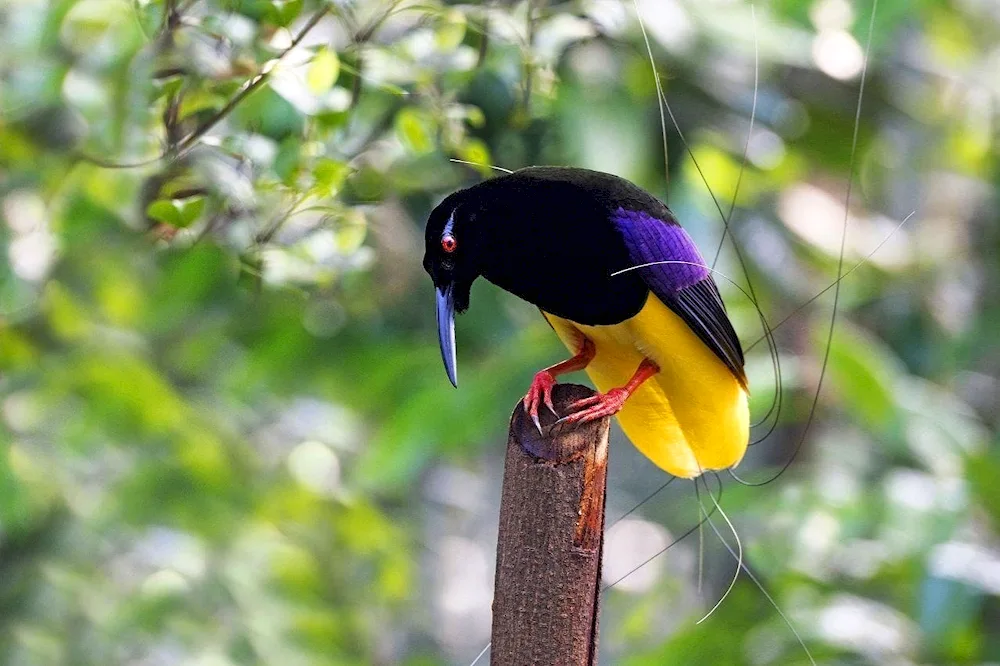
<point x="176" y="331"/>
<point x="268" y="113"/>
<point x="66" y="317"/>
<point x="165" y="210"/>
<point x="451" y="30"/>
<point x="415" y="129"/>
<point x="283" y="12"/>
<point x="176" y="212"/>
<point x="328" y="177"/>
<point x="288" y="161"/>
<point x="983" y="471"/>
<point x="197" y="100"/>
<point x="323" y="71"/>
<point x="16" y="350"/>
<point x="864" y="373"/>
<point x="351" y="231"/>
<point x="478" y="153"/>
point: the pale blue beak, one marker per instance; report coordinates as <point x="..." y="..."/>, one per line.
<point x="446" y="332"/>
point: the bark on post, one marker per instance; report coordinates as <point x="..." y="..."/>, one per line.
<point x="546" y="601"/>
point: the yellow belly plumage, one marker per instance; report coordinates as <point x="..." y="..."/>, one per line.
<point x="689" y="418"/>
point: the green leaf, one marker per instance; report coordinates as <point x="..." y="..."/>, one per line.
<point x="197" y="100"/>
<point x="283" y="12"/>
<point x="451" y="31"/>
<point x="268" y="113"/>
<point x="323" y="71"/>
<point x="351" y="231"/>
<point x="982" y="471"/>
<point x="167" y="87"/>
<point x="288" y="161"/>
<point x="864" y="372"/>
<point x="328" y="177"/>
<point x="477" y="152"/>
<point x="191" y="210"/>
<point x="415" y="129"/>
<point x="475" y="116"/>
<point x="165" y="210"/>
<point x="175" y="212"/>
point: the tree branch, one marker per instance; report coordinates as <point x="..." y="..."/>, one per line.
<point x="251" y="86"/>
<point x="248" y="89"/>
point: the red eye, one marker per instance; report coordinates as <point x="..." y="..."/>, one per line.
<point x="448" y="243"/>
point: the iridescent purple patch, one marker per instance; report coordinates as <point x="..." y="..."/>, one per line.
<point x="650" y="239"/>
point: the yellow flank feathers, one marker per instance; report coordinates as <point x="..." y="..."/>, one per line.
<point x="689" y="418"/>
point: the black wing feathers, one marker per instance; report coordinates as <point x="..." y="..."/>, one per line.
<point x="678" y="276"/>
<point x="701" y="308"/>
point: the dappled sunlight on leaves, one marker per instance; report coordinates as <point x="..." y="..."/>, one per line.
<point x="227" y="436"/>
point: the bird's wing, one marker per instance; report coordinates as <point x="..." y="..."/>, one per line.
<point x="686" y="287"/>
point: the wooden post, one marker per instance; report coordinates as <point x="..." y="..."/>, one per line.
<point x="546" y="601"/>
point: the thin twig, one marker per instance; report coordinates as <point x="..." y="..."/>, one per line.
<point x="248" y="89"/>
<point x="251" y="86"/>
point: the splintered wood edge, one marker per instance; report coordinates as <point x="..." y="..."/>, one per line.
<point x="589" y="532"/>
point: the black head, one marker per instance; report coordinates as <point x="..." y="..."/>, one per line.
<point x="451" y="248"/>
<point x="543" y="234"/>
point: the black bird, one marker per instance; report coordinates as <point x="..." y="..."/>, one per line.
<point x="655" y="340"/>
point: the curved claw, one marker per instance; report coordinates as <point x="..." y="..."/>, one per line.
<point x="538" y="394"/>
<point x="610" y="403"/>
<point x="548" y="403"/>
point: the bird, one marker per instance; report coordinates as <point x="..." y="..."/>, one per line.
<point x="625" y="289"/>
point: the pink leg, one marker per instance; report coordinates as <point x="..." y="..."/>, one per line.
<point x="541" y="386"/>
<point x="607" y="404"/>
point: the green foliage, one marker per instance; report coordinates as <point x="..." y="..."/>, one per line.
<point x="227" y="437"/>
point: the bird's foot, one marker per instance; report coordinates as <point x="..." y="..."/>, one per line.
<point x="539" y="393"/>
<point x="596" y="407"/>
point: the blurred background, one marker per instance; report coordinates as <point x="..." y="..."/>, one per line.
<point x="227" y="435"/>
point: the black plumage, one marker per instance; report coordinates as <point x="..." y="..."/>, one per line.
<point x="556" y="237"/>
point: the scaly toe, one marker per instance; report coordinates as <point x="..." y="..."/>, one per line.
<point x="594" y="407"/>
<point x="577" y="405"/>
